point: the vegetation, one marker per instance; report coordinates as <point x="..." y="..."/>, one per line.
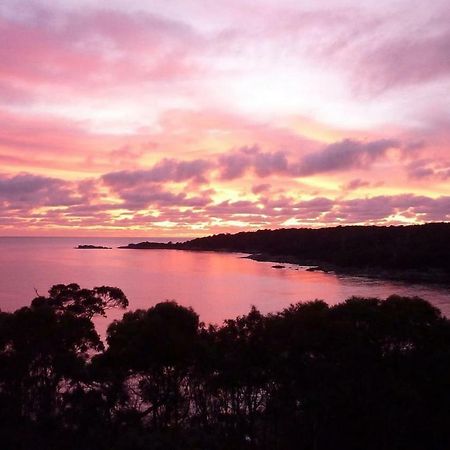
<point x="92" y="247"/>
<point x="423" y="248"/>
<point x="363" y="374"/>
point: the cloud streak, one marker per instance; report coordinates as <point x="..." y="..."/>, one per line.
<point x="345" y="155"/>
<point x="164" y="171"/>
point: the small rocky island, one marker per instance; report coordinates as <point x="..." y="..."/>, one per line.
<point x="92" y="247"/>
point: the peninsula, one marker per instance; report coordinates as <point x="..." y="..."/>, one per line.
<point x="413" y="253"/>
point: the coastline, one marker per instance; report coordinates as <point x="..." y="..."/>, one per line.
<point x="435" y="277"/>
<point x="431" y="277"/>
<point x="412" y="254"/>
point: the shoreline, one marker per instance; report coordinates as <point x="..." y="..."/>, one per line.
<point x="433" y="277"/>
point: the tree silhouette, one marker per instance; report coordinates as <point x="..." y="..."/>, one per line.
<point x="363" y="374"/>
<point x="82" y="302"/>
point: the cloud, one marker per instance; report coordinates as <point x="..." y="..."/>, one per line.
<point x="345" y="155"/>
<point x="355" y="184"/>
<point x="231" y="165"/>
<point x="315" y="205"/>
<point x="339" y="156"/>
<point x="234" y="165"/>
<point x="13" y="95"/>
<point x="423" y="169"/>
<point x="234" y="208"/>
<point x="419" y="57"/>
<point x="163" y="171"/>
<point x="260" y="188"/>
<point x="156" y="197"/>
<point x="173" y="186"/>
<point x="29" y="191"/>
<point x="87" y="48"/>
<point x="35" y="201"/>
<point x="382" y="208"/>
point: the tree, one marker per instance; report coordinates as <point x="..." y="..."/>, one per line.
<point x="151" y="352"/>
<point x="82" y="302"/>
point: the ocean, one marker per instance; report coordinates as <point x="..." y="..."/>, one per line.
<point x="217" y="286"/>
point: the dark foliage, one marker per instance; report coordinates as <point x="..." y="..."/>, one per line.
<point x="419" y="247"/>
<point x="416" y="247"/>
<point x="82" y="302"/>
<point x="363" y="374"/>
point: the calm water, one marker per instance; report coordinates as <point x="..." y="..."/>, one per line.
<point x="217" y="286"/>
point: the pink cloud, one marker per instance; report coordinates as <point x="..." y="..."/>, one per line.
<point x="29" y="191"/>
<point x="164" y="171"/>
<point x="345" y="155"/>
<point x="412" y="59"/>
<point x="94" y="48"/>
<point x="426" y="169"/>
<point x="336" y="157"/>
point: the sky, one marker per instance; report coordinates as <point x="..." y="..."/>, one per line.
<point x="191" y="117"/>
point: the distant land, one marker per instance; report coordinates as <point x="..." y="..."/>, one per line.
<point x="92" y="247"/>
<point x="414" y="252"/>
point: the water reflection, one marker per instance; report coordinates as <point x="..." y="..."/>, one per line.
<point x="216" y="285"/>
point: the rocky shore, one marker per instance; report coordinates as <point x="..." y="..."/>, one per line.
<point x="432" y="276"/>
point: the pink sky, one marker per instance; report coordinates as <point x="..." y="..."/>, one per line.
<point x="185" y="118"/>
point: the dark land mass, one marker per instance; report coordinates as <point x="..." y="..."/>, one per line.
<point x="413" y="253"/>
<point x="365" y="374"/>
<point x="155" y="246"/>
<point x="92" y="247"/>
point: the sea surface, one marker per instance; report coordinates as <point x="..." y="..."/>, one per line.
<point x="217" y="285"/>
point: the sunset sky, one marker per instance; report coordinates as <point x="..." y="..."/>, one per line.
<point x="192" y="117"/>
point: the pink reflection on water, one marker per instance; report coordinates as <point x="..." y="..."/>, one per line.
<point x="217" y="285"/>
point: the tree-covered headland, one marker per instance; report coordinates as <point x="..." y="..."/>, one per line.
<point x="415" y="252"/>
